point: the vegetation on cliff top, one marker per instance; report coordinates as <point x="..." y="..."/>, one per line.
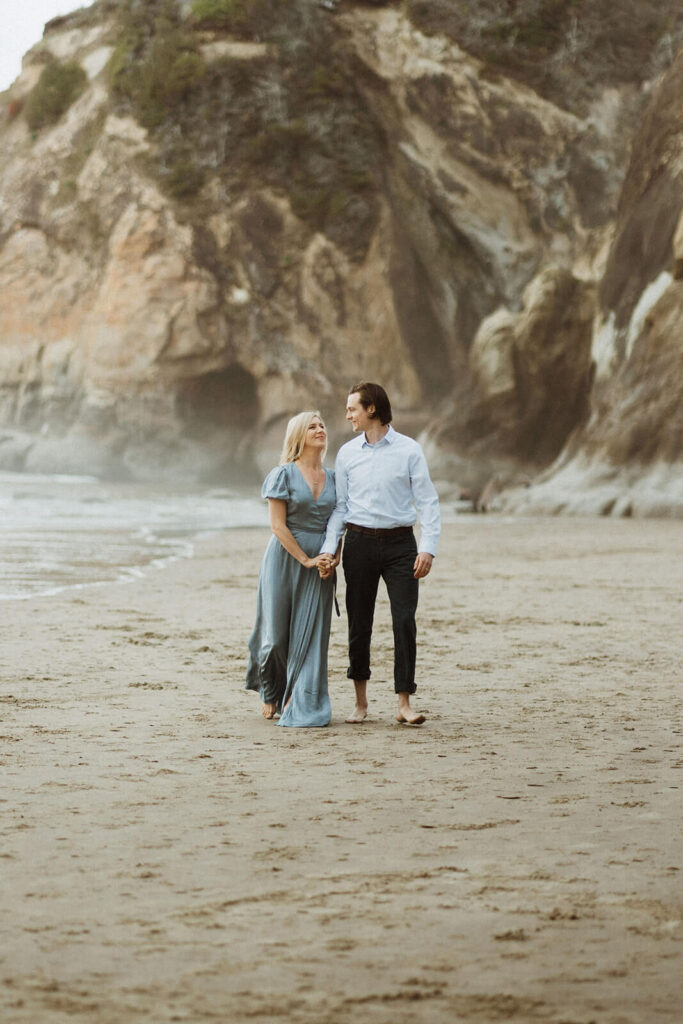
<point x="295" y="119"/>
<point x="156" y="63"/>
<point x="568" y="50"/>
<point x="248" y="17"/>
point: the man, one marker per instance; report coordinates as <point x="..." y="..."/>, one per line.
<point x="382" y="478"/>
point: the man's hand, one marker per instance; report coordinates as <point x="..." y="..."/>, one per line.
<point x="422" y="565"/>
<point x="326" y="565"/>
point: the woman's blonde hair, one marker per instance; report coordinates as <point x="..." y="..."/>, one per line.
<point x="295" y="436"/>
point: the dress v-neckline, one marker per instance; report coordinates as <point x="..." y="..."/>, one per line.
<point x="310" y="489"/>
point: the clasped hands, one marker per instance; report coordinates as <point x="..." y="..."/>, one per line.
<point x="326" y="564"/>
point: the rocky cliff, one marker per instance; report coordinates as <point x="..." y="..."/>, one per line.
<point x="215" y="213"/>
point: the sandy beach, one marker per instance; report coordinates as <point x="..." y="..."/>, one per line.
<point x="168" y="855"/>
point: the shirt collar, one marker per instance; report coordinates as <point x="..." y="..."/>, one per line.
<point x="388" y="438"/>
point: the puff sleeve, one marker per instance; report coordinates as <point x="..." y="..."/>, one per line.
<point x="276" y="484"/>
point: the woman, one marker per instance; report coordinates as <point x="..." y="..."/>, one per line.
<point x="288" y="647"/>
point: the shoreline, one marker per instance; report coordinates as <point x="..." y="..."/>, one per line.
<point x="57" y="533"/>
<point x="169" y="855"/>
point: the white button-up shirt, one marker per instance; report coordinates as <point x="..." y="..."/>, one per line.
<point x="384" y="485"/>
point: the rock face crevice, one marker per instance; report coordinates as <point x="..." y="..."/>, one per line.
<point x="531" y="375"/>
<point x="627" y="457"/>
<point x="650" y="204"/>
<point x="367" y="195"/>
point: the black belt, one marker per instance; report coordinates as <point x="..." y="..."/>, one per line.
<point x="371" y="532"/>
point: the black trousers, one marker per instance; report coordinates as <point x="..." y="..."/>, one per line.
<point x="366" y="559"/>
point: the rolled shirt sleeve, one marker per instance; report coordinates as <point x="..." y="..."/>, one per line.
<point x="426" y="501"/>
<point x="335" y="524"/>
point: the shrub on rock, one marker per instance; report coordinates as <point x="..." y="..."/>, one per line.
<point x="54" y="92"/>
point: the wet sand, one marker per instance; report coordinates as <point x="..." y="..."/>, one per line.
<point x="168" y="855"/>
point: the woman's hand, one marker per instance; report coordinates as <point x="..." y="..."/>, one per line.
<point x="316" y="563"/>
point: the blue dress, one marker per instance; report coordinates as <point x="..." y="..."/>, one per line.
<point x="288" y="646"/>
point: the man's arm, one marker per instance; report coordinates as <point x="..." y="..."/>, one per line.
<point x="335" y="524"/>
<point x="427" y="503"/>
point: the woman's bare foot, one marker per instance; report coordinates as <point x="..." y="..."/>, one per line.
<point x="359" y="715"/>
<point x="268" y="710"/>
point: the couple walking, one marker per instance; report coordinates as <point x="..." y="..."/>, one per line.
<point x="380" y="480"/>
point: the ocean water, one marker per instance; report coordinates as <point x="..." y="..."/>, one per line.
<point x="58" y="532"/>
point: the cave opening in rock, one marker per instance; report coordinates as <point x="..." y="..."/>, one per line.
<point x="219" y="400"/>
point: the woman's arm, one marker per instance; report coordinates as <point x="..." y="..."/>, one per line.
<point x="277" y="511"/>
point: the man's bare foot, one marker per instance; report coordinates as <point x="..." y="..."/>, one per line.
<point x="268" y="710"/>
<point x="407" y="717"/>
<point x="358" y="716"/>
<point x="361" y="710"/>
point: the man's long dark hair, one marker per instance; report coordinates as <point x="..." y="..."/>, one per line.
<point x="373" y="394"/>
